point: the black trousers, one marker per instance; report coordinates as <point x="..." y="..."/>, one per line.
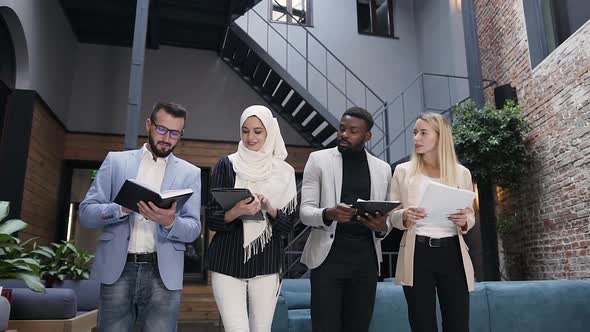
<point x="343" y="287"/>
<point x="438" y="271"/>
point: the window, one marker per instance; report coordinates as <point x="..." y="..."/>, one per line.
<point x="375" y="17"/>
<point x="550" y="22"/>
<point x="291" y="11"/>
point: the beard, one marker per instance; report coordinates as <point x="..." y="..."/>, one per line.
<point x="350" y="148"/>
<point x="158" y="152"/>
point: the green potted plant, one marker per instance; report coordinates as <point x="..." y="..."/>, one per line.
<point x="64" y="265"/>
<point x="15" y="261"/>
<point x="492" y="143"/>
<point x="64" y="261"/>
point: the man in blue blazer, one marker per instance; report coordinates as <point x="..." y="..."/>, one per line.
<point x="140" y="256"/>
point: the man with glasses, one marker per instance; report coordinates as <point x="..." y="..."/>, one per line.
<point x="140" y="256"/>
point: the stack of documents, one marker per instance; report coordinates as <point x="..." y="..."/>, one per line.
<point x="440" y="200"/>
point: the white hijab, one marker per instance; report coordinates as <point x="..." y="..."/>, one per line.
<point x="264" y="172"/>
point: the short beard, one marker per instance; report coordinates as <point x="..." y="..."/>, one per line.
<point x="159" y="153"/>
<point x="351" y="149"/>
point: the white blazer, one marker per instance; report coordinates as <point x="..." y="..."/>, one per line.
<point x="321" y="188"/>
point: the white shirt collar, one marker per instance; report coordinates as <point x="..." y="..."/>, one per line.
<point x="145" y="150"/>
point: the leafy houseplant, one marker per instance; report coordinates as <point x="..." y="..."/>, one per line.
<point x="15" y="261"/>
<point x="64" y="261"/>
<point x="63" y="265"/>
<point x="492" y="144"/>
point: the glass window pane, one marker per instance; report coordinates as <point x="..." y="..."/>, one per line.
<point x="381" y="17"/>
<point x="363" y="12"/>
<point x="375" y="17"/>
<point x="279" y="8"/>
<point x="299" y="10"/>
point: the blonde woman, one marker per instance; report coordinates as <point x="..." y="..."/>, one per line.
<point x="433" y="257"/>
<point x="245" y="256"/>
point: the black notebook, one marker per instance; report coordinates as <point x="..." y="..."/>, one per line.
<point x="373" y="206"/>
<point x="229" y="197"/>
<point x="133" y="191"/>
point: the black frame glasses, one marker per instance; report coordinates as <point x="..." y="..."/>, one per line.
<point x="174" y="134"/>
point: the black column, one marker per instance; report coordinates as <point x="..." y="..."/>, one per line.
<point x="14" y="148"/>
<point x="489" y="238"/>
<point x="472" y="52"/>
<point x="4" y="93"/>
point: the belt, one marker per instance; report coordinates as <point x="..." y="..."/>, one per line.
<point x="444" y="242"/>
<point x="142" y="258"/>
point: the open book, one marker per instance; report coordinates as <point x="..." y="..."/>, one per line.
<point x="134" y="191"/>
<point x="372" y="206"/>
<point x="440" y="200"/>
<point x="228" y="197"/>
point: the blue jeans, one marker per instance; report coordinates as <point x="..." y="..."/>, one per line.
<point x="138" y="297"/>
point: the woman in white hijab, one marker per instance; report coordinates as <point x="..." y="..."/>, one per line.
<point x="245" y="256"/>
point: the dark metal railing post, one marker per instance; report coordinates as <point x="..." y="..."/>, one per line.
<point x="386" y="127"/>
<point x="404" y="128"/>
<point x="327" y="90"/>
<point x="307" y="60"/>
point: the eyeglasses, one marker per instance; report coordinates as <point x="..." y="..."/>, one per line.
<point x="174" y="134"/>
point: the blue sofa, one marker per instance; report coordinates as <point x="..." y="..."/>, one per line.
<point x="504" y="306"/>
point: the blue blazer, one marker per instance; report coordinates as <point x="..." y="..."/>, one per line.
<point x="98" y="211"/>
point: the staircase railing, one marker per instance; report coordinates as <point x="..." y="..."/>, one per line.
<point x="427" y="92"/>
<point x="415" y="98"/>
<point x="317" y="69"/>
<point x="337" y="88"/>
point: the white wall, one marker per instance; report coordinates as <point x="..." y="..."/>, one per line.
<point x="213" y="93"/>
<point x="440" y="50"/>
<point x="45" y="55"/>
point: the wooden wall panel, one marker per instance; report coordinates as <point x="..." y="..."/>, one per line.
<point x="83" y="146"/>
<point x="43" y="176"/>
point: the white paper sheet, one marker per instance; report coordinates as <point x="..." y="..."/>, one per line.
<point x="440" y="200"/>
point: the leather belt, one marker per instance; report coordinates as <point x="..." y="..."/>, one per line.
<point x="142" y="258"/>
<point x="444" y="242"/>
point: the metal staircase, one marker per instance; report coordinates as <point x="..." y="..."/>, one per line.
<point x="313" y="109"/>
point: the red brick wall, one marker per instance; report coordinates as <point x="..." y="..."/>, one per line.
<point x="552" y="233"/>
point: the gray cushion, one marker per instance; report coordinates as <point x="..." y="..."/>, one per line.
<point x="87" y="292"/>
<point x="55" y="303"/>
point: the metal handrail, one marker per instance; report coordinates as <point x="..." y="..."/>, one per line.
<point x="344" y="94"/>
<point x="328" y="50"/>
<point x="342" y="88"/>
<point x="491" y="82"/>
<point x="401" y="95"/>
<point x="298" y="236"/>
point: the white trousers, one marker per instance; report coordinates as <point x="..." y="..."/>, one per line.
<point x="232" y="294"/>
